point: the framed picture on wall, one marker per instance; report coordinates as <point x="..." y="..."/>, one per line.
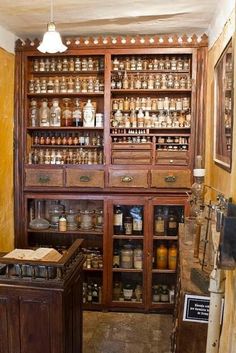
<point x="223" y="108"/>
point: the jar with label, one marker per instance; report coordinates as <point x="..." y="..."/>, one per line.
<point x="138" y="257"/>
<point x="156" y="293"/>
<point x="128" y="225"/>
<point x="128" y="291"/>
<point x="55" y="212"/>
<point x="44" y="114"/>
<point x="55" y="113"/>
<point x="138" y="292"/>
<point x="172" y="223"/>
<point x="159" y="222"/>
<point x="88" y="114"/>
<point x="66" y="113"/>
<point x="77" y="114"/>
<point x="33" y="114"/>
<point x="116" y="259"/>
<point x="137" y="216"/>
<point x="164" y="294"/>
<point x="116" y="291"/>
<point x="172" y="257"/>
<point x="62" y="225"/>
<point x="127" y="257"/>
<point x="71" y="216"/>
<point x="86" y="219"/>
<point x="99" y="219"/>
<point x="118" y="220"/>
<point x="162" y="257"/>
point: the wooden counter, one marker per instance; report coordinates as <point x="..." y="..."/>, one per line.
<point x="40" y="304"/>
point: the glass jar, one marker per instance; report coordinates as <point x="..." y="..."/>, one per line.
<point x="55" y="113"/>
<point x="164" y="294"/>
<point x="172" y="257"/>
<point x="71" y="216"/>
<point x="128" y="291"/>
<point x="88" y="114"/>
<point x="99" y="219"/>
<point x="66" y="113"/>
<point x="86" y="219"/>
<point x="156" y="293"/>
<point x="116" y="291"/>
<point x="128" y="225"/>
<point x="33" y="114"/>
<point x="44" y="114"/>
<point x="172" y="223"/>
<point x="39" y="222"/>
<point x="116" y="259"/>
<point x="127" y="257"/>
<point x="159" y="222"/>
<point x="138" y="257"/>
<point x="55" y="212"/>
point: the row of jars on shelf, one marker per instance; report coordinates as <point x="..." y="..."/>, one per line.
<point x="228" y="103"/>
<point x="151" y="82"/>
<point x="129" y="131"/>
<point x="68" y="64"/>
<point x="59" y="218"/>
<point x="152" y="63"/>
<point x="127" y="291"/>
<point x="172" y="148"/>
<point x="93" y="258"/>
<point x="128" y="257"/>
<point x="133" y="139"/>
<point x="66" y="85"/>
<point x="59" y="139"/>
<point x="163" y="293"/>
<point x="151" y="104"/>
<point x="65" y="156"/>
<point x="142" y="119"/>
<point x="64" y="113"/>
<point x="92" y="293"/>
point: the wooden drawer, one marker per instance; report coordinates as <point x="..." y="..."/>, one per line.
<point x="43" y="177"/>
<point x="85" y="178"/>
<point x="172" y="158"/>
<point x="128" y="178"/>
<point x="131" y="157"/>
<point x="171" y="179"/>
<point x="131" y="146"/>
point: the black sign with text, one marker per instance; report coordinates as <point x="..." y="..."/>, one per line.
<point x="196" y="308"/>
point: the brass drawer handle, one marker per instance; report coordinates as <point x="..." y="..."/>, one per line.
<point x="84" y="178"/>
<point x="171" y="161"/>
<point x="127" y="179"/>
<point x="43" y="179"/>
<point x="170" y="179"/>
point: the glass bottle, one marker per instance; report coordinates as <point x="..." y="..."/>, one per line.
<point x="66" y="113"/>
<point x="128" y="225"/>
<point x="172" y="257"/>
<point x="55" y="212"/>
<point x="136" y="213"/>
<point x="162" y="257"/>
<point x="138" y="257"/>
<point x="127" y="256"/>
<point x="33" y="114"/>
<point x="118" y="220"/>
<point x="86" y="219"/>
<point x="159" y="222"/>
<point x="44" y="114"/>
<point x="172" y="223"/>
<point x="77" y="114"/>
<point x="39" y="223"/>
<point x="55" y="113"/>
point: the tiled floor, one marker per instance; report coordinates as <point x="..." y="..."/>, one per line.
<point x="126" y="333"/>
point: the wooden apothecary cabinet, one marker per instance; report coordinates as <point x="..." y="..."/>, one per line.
<point x="139" y="149"/>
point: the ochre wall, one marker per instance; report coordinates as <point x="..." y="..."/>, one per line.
<point x="6" y="150"/>
<point x="223" y="181"/>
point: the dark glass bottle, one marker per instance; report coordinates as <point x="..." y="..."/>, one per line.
<point x="136" y="213"/>
<point x="159" y="227"/>
<point x="172" y="223"/>
<point x="118" y="220"/>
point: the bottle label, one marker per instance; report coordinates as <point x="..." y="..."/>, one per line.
<point x="159" y="226"/>
<point x="118" y="219"/>
<point x="137" y="224"/>
<point x="172" y="225"/>
<point x="128" y="228"/>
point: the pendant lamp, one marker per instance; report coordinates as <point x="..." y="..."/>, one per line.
<point x="52" y="42"/>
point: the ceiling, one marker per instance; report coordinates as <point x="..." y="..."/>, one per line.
<point x="28" y="19"/>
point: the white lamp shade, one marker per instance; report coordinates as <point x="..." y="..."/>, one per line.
<point x="52" y="42"/>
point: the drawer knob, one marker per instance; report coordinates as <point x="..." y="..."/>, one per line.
<point x="84" y="178"/>
<point x="171" y="161"/>
<point x="43" y="179"/>
<point x="127" y="179"/>
<point x="170" y="179"/>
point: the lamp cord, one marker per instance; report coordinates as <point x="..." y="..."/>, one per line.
<point x="51" y="18"/>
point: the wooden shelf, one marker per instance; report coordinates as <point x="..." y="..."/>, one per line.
<point x="162" y="305"/>
<point x="139" y="237"/>
<point x="152" y="71"/>
<point x="67" y="73"/>
<point x="66" y="94"/>
<point x="163" y="271"/>
<point x="127" y="303"/>
<point x="141" y="90"/>
<point x="66" y="146"/>
<point x="53" y="231"/>
<point x="165" y="237"/>
<point x="128" y="270"/>
<point x="93" y="269"/>
<point x="64" y="128"/>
